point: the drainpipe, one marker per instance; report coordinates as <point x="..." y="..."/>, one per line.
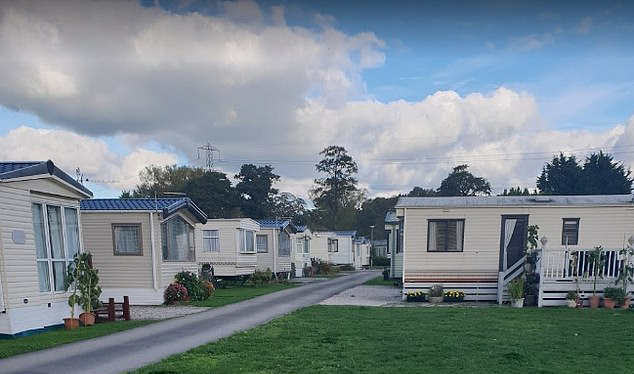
<point x="275" y="252"/>
<point x="152" y="251"/>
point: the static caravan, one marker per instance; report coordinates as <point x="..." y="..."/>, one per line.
<point x="273" y="244"/>
<point x="380" y="248"/>
<point x="361" y="253"/>
<point x="394" y="232"/>
<point x="477" y="244"/>
<point x="138" y="245"/>
<point x="228" y="246"/>
<point x="336" y="246"/>
<point x="300" y="250"/>
<point x="40" y="232"/>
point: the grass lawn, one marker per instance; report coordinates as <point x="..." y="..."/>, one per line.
<point x="48" y="339"/>
<point x="378" y="281"/>
<point x="224" y="296"/>
<point x="340" y="339"/>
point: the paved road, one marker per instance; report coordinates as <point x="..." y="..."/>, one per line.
<point x="138" y="347"/>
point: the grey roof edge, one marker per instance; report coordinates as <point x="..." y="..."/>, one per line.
<point x="189" y="204"/>
<point x="531" y="200"/>
<point x="47" y="167"/>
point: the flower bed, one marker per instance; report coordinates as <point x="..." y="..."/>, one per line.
<point x="416" y="296"/>
<point x="454" y="296"/>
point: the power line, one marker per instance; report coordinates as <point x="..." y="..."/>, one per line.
<point x="209" y="155"/>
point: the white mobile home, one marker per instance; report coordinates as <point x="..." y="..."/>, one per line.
<point x="335" y="246"/>
<point x="476" y="244"/>
<point x="361" y="253"/>
<point x="138" y="245"/>
<point x="40" y="233"/>
<point x="273" y="244"/>
<point x="394" y="232"/>
<point x="300" y="250"/>
<point x="228" y="246"/>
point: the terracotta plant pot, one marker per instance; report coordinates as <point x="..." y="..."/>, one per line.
<point x="435" y="299"/>
<point x="594" y="302"/>
<point x="71" y="323"/>
<point x="626" y="303"/>
<point x="609" y="303"/>
<point x="87" y="319"/>
<point x="571" y="303"/>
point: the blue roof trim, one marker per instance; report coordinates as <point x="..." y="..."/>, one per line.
<point x="12" y="170"/>
<point x="167" y="206"/>
<point x="346" y="233"/>
<point x="276" y="224"/>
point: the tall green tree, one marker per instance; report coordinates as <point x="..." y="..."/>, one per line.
<point x="213" y="193"/>
<point x="604" y="176"/>
<point x="372" y="213"/>
<point x="289" y="206"/>
<point x="562" y="176"/>
<point x="156" y="180"/>
<point x="460" y="182"/>
<point x="336" y="195"/>
<point x="422" y="192"/>
<point x="516" y="191"/>
<point x="256" y="190"/>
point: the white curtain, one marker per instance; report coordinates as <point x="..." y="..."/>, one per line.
<point x="459" y="235"/>
<point x="432" y="236"/>
<point x="72" y="231"/>
<point x="509" y="228"/>
<point x="127" y="239"/>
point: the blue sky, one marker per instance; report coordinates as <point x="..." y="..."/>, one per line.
<point x="487" y="83"/>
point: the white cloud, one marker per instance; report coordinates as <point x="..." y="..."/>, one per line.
<point x="69" y="150"/>
<point x="584" y="26"/>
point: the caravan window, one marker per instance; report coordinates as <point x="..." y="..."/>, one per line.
<point x="126" y="239"/>
<point x="247" y="240"/>
<point x="333" y="245"/>
<point x="262" y="243"/>
<point x="284" y="244"/>
<point x="177" y="240"/>
<point x="211" y="241"/>
<point x="445" y="235"/>
<point x="570" y="231"/>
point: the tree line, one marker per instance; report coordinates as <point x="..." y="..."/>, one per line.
<point x="341" y="205"/>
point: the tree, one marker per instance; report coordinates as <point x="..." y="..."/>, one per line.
<point x="287" y="205"/>
<point x="213" y="193"/>
<point x="604" y="176"/>
<point x="372" y="213"/>
<point x="516" y="191"/>
<point x="160" y="179"/>
<point x="422" y="192"/>
<point x="125" y="194"/>
<point x="338" y="189"/>
<point x="460" y="182"/>
<point x="256" y="190"/>
<point x="561" y="176"/>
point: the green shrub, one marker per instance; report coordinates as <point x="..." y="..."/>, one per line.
<point x="260" y="278"/>
<point x="175" y="292"/>
<point x="572" y="295"/>
<point x="346" y="267"/>
<point x="516" y="288"/>
<point x="193" y="284"/>
<point x="326" y="268"/>
<point x="380" y="261"/>
<point x="208" y="288"/>
<point x="614" y="293"/>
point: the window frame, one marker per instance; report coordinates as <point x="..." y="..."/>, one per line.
<point x="49" y="260"/>
<point x="191" y="240"/>
<point x="242" y="238"/>
<point x="563" y="230"/>
<point x="333" y="243"/>
<point x="114" y="241"/>
<point x="287" y="251"/>
<point x="446" y="220"/>
<point x="266" y="240"/>
<point x="216" y="238"/>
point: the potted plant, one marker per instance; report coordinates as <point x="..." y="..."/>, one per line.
<point x="70" y="282"/>
<point x="88" y="284"/>
<point x="596" y="257"/>
<point x="415" y="296"/>
<point x="454" y="296"/>
<point x="516" y="292"/>
<point x="613" y="296"/>
<point x="626" y="273"/>
<point x="436" y="293"/>
<point x="571" y="299"/>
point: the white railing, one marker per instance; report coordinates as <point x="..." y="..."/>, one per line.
<point x="505" y="277"/>
<point x="568" y="264"/>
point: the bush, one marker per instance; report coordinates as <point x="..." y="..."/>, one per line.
<point x="208" y="288"/>
<point x="325" y="268"/>
<point x="175" y="292"/>
<point x="516" y="289"/>
<point x="193" y="284"/>
<point x="347" y="267"/>
<point x="380" y="261"/>
<point x="571" y="295"/>
<point x="260" y="278"/>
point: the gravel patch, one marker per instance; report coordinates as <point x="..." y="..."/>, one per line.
<point x="156" y="312"/>
<point x="366" y="296"/>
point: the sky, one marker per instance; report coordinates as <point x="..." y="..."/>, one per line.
<point x="410" y="88"/>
